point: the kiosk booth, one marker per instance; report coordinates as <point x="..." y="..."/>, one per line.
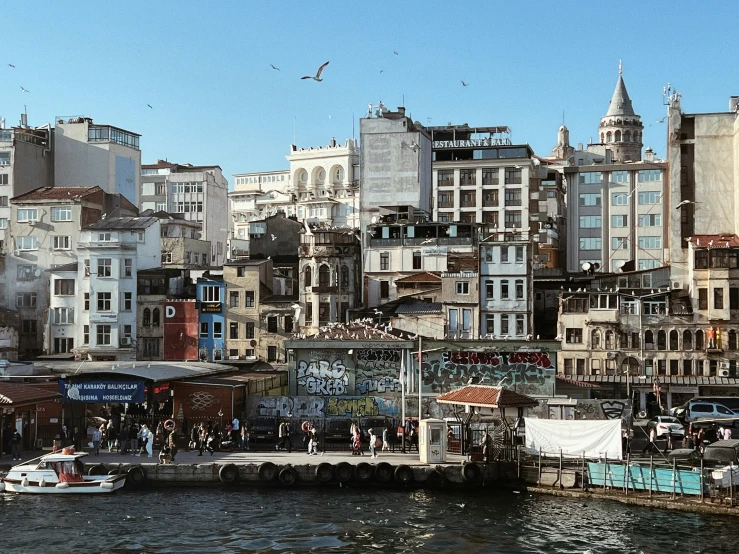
<point x="432" y="441"/>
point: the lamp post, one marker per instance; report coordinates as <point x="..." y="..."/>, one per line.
<point x="220" y="415"/>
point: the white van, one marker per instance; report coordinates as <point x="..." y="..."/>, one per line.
<point x="704" y="409"/>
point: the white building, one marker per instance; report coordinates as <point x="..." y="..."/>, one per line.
<point x="199" y="193"/>
<point x="93" y="303"/>
<point x="90" y="154"/>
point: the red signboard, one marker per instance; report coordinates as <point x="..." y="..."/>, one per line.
<point x="180" y="330"/>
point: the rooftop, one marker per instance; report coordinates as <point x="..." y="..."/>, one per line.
<point x="125" y="223"/>
<point x="56" y="193"/>
<point x="20" y="393"/>
<point x="424" y="277"/>
<point x="485" y="396"/>
<point x="714" y="241"/>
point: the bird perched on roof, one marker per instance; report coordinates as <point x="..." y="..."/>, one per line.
<point x="317" y="76"/>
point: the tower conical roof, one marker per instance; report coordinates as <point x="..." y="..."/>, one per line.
<point x="620" y="102"/>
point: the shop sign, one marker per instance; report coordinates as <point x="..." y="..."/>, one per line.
<point x="678" y="389"/>
<point x="471" y="143"/>
<point x="211" y="307"/>
<point x="102" y="391"/>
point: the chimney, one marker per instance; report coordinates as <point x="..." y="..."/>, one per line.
<point x="401" y="111"/>
<point x="733" y="104"/>
<point x="333" y="141"/>
<point x="649" y="155"/>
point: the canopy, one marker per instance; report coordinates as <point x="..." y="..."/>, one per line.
<point x="591" y="438"/>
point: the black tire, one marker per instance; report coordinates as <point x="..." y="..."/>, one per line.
<point x="115" y="472"/>
<point x="384" y="472"/>
<point x="436" y="479"/>
<point x="344" y="472"/>
<point x="136" y="476"/>
<point x="364" y="472"/>
<point x="324" y="472"/>
<point x="288" y="476"/>
<point x="403" y="474"/>
<point x="228" y="474"/>
<point x="472" y="473"/>
<point x="97" y="469"/>
<point x="267" y="471"/>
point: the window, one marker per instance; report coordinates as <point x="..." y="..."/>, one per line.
<point x="3" y="222"/>
<point x="650" y="242"/>
<point x="233" y="330"/>
<point x="384" y="289"/>
<point x="590" y="199"/>
<point x="271" y="353"/>
<point x="620" y="243"/>
<point x="519" y="254"/>
<point x="62" y="213"/>
<point x="718" y="299"/>
<point x="289" y="322"/>
<point x="619" y="199"/>
<point x="416" y="260"/>
<point x="26" y="243"/>
<point x="25" y="300"/>
<point x="210" y="293"/>
<point x="324" y="312"/>
<point x="620" y="177"/>
<point x="512" y="197"/>
<point x="309" y="312"/>
<point x="384" y="261"/>
<point x="344" y="274"/>
<point x="62" y="315"/>
<point x="104" y="301"/>
<point x="595" y="339"/>
<point x="673" y="340"/>
<point x="3" y="201"/>
<point x="591" y="178"/>
<point x="513" y="219"/>
<point x="249" y="298"/>
<point x="491" y="218"/>
<point x="105" y="237"/>
<point x="324" y="276"/>
<point x="217" y="329"/>
<point x="29" y="326"/>
<point x="462" y="287"/>
<point x="233" y="299"/>
<point x="573" y="335"/>
<point x="489" y="176"/>
<point x="446" y="200"/>
<point x="519" y="289"/>
<point x="103" y="334"/>
<point x="603" y="301"/>
<point x="105" y="267"/>
<point x="64" y="287"/>
<point x="26" y="272"/>
<point x="86" y="334"/>
<point x="513" y="176"/>
<point x="648" y="264"/>
<point x="446" y="177"/>
<point x="646" y="175"/>
<point x="308" y="281"/>
<point x="590" y="243"/>
<point x="650" y="197"/>
<point x="504" y="254"/>
<point x="61" y="242"/>
<point x="27" y="214"/>
<point x="87" y="301"/>
<point x="489" y="289"/>
<point x="504" y="289"/>
<point x="734" y="298"/>
<point x="504" y="324"/>
<point x="272" y="324"/>
<point x="467" y="199"/>
<point x="147" y="317"/>
<point x="590" y="221"/>
<point x="580" y="366"/>
<point x="467" y="177"/>
<point x="619" y="221"/>
<point x="520" y="325"/>
<point x="490" y="199"/>
<point x="3" y="179"/>
<point x="650" y="220"/>
<point x="166" y="257"/>
<point x="128" y="267"/>
<point x="702" y="299"/>
<point x="155" y="317"/>
<point x="249" y="330"/>
<point x="204" y="329"/>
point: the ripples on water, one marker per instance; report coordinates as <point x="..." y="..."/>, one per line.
<point x="347" y="520"/>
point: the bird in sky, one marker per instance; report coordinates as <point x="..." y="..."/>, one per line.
<point x="317" y="76"/>
<point x="273" y="67"/>
<point x="427" y="241"/>
<point x="11" y="65"/>
<point x="465" y="84"/>
<point x="661" y="120"/>
<point x="25" y="89"/>
<point x="394" y="52"/>
<point x="382" y="70"/>
<point x="685" y="202"/>
<point x="152" y="107"/>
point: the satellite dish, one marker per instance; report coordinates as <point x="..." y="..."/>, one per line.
<point x="586" y="266"/>
<point x="374" y="219"/>
<point x="37" y="273"/>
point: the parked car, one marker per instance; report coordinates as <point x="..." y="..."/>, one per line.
<point x="731" y="402"/>
<point x="722" y="452"/>
<point x="263" y="429"/>
<point x="377" y="424"/>
<point x="665" y="425"/>
<point x="337" y="430"/>
<point x="700" y="409"/>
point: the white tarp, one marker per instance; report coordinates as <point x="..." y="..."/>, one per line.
<point x="595" y="438"/>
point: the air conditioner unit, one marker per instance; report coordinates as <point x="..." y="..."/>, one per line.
<point x="125" y="341"/>
<point x="32" y="221"/>
<point x="677" y="285"/>
<point x="723" y="365"/>
<point x="723" y="372"/>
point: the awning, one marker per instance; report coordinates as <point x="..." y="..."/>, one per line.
<point x="485" y="396"/>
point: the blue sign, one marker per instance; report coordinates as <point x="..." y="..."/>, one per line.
<point x="102" y="391"/>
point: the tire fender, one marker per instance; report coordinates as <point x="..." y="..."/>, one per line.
<point x="136" y="476"/>
<point x="471" y="473"/>
<point x="228" y="474"/>
<point x="344" y="472"/>
<point x="324" y="472"/>
<point x="364" y="472"/>
<point x="403" y="474"/>
<point x="436" y="479"/>
<point x="267" y="471"/>
<point x="97" y="469"/>
<point x="288" y="476"/>
<point x="384" y="472"/>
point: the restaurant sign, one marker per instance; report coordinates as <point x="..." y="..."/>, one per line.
<point x="211" y="307"/>
<point x="471" y="143"/>
<point x="102" y="391"/>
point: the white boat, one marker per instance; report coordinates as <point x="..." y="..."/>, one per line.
<point x="58" y="473"/>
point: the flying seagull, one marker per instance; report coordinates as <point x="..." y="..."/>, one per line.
<point x="465" y="84"/>
<point x="10" y="65"/>
<point x="152" y="107"/>
<point x="685" y="202"/>
<point x="394" y="52"/>
<point x="273" y="67"/>
<point x="273" y="236"/>
<point x="661" y="120"/>
<point x="318" y="74"/>
<point x="25" y="90"/>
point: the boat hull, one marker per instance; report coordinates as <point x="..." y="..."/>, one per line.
<point x="104" y="485"/>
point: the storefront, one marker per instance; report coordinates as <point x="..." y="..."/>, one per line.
<point x="27" y="409"/>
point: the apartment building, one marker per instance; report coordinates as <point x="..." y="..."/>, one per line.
<point x="211" y="296"/>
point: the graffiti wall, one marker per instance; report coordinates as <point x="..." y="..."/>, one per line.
<point x="378" y="372"/>
<point x="313" y="407"/>
<point x="586" y="409"/>
<point x="530" y="373"/>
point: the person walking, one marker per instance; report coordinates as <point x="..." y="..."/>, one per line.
<point x="286" y="435"/>
<point x="133" y="438"/>
<point x="372" y="443"/>
<point x="235" y="432"/>
<point x="651" y="444"/>
<point x="487" y="445"/>
<point x="194" y="437"/>
<point x="385" y="443"/>
<point x="96" y="437"/>
<point x="15" y="444"/>
<point x="281" y="434"/>
<point x="245" y="435"/>
<point x="202" y="439"/>
<point x="172" y="445"/>
<point x="312" y="441"/>
<point x="112" y="433"/>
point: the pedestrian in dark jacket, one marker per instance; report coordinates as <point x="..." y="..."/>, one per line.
<point x="15" y="444"/>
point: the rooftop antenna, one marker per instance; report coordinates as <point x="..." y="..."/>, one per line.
<point x="620" y="68"/>
<point x="404" y="100"/>
<point x="353" y="138"/>
<point x="295" y="130"/>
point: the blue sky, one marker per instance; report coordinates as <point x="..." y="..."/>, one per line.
<point x="204" y="67"/>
